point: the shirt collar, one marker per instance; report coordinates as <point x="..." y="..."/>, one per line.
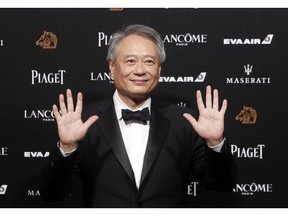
<point x="119" y="105"/>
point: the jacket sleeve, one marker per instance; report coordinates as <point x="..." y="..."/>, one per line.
<point x="57" y="175"/>
<point x="214" y="170"/>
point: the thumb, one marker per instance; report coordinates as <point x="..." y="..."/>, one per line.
<point x="90" y="121"/>
<point x="191" y="119"/>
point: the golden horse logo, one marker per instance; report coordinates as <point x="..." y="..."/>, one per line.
<point x="247" y="115"/>
<point x="47" y="41"/>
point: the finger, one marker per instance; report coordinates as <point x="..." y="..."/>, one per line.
<point x="191" y="119"/>
<point x="200" y="103"/>
<point x="62" y="105"/>
<point x="90" y="121"/>
<point x="215" y="99"/>
<point x="208" y="97"/>
<point x="224" y="106"/>
<point x="79" y="103"/>
<point x="56" y="112"/>
<point x="70" y="104"/>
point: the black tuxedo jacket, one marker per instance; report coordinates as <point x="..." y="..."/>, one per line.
<point x="174" y="151"/>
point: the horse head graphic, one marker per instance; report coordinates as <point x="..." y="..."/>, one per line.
<point x="247" y="115"/>
<point x="47" y="41"/>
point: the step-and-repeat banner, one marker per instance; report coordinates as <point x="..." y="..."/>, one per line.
<point x="241" y="52"/>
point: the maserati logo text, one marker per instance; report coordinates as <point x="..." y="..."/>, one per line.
<point x="47" y="78"/>
<point x="248" y="79"/>
<point x="33" y="193"/>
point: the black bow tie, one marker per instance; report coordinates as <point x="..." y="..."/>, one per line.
<point x="139" y="116"/>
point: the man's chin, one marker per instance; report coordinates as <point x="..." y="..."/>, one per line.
<point x="139" y="95"/>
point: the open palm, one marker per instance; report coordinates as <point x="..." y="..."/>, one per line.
<point x="71" y="128"/>
<point x="210" y="124"/>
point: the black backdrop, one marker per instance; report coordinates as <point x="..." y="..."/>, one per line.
<point x="242" y="52"/>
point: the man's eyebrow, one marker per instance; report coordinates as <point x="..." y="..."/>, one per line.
<point x="145" y="56"/>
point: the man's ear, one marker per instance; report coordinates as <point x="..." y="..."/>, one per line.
<point x="111" y="68"/>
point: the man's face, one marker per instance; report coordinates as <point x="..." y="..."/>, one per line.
<point x="136" y="70"/>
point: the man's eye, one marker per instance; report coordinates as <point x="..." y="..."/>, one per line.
<point x="149" y="62"/>
<point x="130" y="61"/>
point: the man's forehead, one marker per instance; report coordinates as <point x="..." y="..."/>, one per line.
<point x="139" y="55"/>
<point x="129" y="39"/>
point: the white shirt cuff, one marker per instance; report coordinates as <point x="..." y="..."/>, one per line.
<point x="218" y="147"/>
<point x="65" y="154"/>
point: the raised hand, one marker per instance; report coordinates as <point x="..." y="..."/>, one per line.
<point x="71" y="128"/>
<point x="210" y="124"/>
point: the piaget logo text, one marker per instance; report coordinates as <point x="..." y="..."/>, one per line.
<point x="47" y="78"/>
<point x="192" y="189"/>
<point x="248" y="152"/>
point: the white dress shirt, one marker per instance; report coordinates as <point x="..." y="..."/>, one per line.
<point x="135" y="136"/>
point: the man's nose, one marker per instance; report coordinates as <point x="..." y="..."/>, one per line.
<point x="140" y="69"/>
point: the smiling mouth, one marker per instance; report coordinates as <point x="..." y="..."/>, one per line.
<point x="139" y="82"/>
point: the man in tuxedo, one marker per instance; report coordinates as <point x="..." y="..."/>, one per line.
<point x="133" y="150"/>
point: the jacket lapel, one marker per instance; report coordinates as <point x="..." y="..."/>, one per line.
<point x="110" y="129"/>
<point x="159" y="126"/>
